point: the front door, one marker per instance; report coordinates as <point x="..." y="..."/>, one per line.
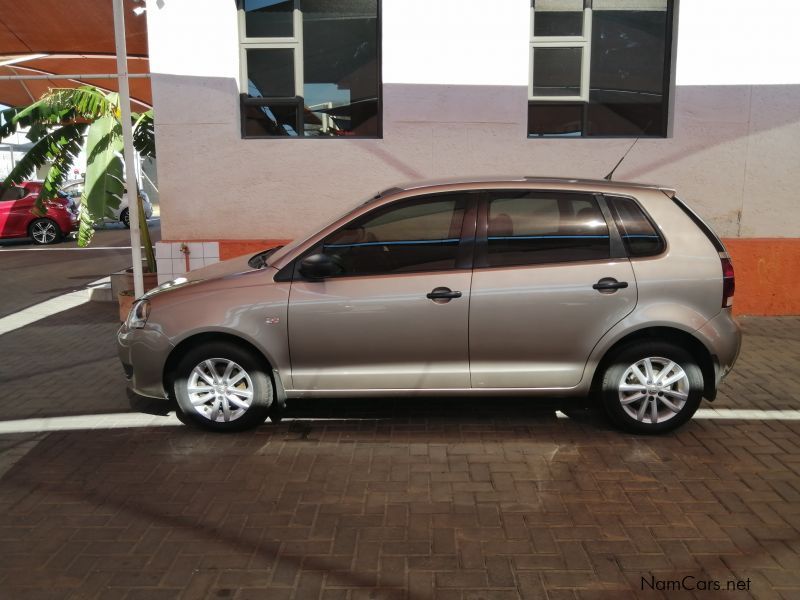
<point x="545" y="289"/>
<point x="396" y="315"/>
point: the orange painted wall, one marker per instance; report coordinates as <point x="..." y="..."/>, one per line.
<point x="767" y="275"/>
<point x="233" y="248"/>
<point x="767" y="271"/>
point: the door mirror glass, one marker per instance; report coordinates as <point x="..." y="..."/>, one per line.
<point x="319" y="266"/>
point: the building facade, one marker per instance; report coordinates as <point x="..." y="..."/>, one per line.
<point x="274" y="116"/>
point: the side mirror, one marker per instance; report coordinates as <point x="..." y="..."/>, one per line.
<point x="319" y="266"/>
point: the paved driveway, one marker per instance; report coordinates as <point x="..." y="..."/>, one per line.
<point x="493" y="499"/>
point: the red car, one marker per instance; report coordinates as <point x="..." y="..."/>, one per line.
<point x="17" y="218"/>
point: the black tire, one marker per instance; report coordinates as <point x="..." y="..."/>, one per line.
<point x="262" y="388"/>
<point x="667" y="419"/>
<point x="35" y="231"/>
<point x="125" y="218"/>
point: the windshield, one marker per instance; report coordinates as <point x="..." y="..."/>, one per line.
<point x="299" y="240"/>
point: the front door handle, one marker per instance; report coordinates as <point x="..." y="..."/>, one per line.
<point x="609" y="285"/>
<point x="443" y="294"/>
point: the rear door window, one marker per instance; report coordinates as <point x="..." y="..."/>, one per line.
<point x="526" y="227"/>
<point x="639" y="234"/>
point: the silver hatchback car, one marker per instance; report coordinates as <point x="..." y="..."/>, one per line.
<point x="498" y="287"/>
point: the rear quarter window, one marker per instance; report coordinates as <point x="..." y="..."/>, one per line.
<point x="639" y="234"/>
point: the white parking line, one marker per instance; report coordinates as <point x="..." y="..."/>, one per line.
<point x="136" y="420"/>
<point x="740" y="414"/>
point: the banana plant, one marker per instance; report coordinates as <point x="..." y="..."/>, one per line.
<point x="60" y="124"/>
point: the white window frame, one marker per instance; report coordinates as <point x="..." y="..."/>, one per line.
<point x="584" y="42"/>
<point x="272" y="43"/>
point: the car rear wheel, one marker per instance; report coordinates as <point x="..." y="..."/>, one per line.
<point x="652" y="387"/>
<point x="125" y="218"/>
<point x="44" y="231"/>
<point x="223" y="387"/>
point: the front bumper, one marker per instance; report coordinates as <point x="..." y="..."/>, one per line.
<point x="143" y="354"/>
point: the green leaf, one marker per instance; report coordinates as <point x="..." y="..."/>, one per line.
<point x="48" y="148"/>
<point x="144" y="135"/>
<point x="103" y="186"/>
<point x="68" y="149"/>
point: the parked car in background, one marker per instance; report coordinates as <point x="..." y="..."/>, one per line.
<point x="74" y="189"/>
<point x="503" y="287"/>
<point x="17" y="219"/>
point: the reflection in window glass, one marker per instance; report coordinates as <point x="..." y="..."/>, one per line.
<point x="628" y="93"/>
<point x="268" y="18"/>
<point x="414" y="236"/>
<point x="530" y="228"/>
<point x="557" y="71"/>
<point x="629" y="63"/>
<point x="270" y="72"/>
<point x="558" y="18"/>
<point x="340" y="65"/>
<point x="555" y="119"/>
<point x="271" y="119"/>
<point x="638" y="233"/>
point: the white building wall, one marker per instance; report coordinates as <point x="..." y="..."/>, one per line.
<point x="455" y="104"/>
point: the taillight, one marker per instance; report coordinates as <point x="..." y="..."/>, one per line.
<point x="728" y="280"/>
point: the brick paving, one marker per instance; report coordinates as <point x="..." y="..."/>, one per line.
<point x="449" y="499"/>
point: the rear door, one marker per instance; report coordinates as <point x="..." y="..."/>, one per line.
<point x="550" y="279"/>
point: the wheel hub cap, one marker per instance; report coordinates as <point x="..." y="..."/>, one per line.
<point x="220" y="390"/>
<point x="653" y="390"/>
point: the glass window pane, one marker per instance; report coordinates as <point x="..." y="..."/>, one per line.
<point x="270" y="120"/>
<point x="557" y="71"/>
<point x="558" y="18"/>
<point x="268" y="18"/>
<point x="638" y="233"/>
<point x="628" y="92"/>
<point x="555" y="119"/>
<point x="412" y="236"/>
<point x="526" y="228"/>
<point x="270" y="73"/>
<point x="341" y="67"/>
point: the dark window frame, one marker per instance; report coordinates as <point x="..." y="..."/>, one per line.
<point x="244" y="99"/>
<point x="614" y="216"/>
<point x="669" y="85"/>
<point x="481" y="253"/>
<point x="466" y="245"/>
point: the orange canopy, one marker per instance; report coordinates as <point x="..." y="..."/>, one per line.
<point x="47" y="37"/>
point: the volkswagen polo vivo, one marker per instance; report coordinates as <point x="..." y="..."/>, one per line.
<point x="504" y="287"/>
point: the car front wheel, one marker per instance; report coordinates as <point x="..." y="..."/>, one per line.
<point x="223" y="387"/>
<point x="652" y="387"/>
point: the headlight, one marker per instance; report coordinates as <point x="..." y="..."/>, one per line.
<point x="137" y="317"/>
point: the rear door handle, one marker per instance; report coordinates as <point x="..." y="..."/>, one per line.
<point x="443" y="293"/>
<point x="609" y="284"/>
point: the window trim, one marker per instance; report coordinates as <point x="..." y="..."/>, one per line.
<point x="481" y="256"/>
<point x="464" y="256"/>
<point x="296" y="43"/>
<point x="584" y="42"/>
<point x="664" y="242"/>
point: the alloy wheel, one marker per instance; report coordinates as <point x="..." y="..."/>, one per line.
<point x="653" y="390"/>
<point x="43" y="232"/>
<point x="220" y="390"/>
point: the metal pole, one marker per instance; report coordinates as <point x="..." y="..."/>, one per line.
<point x="127" y="139"/>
